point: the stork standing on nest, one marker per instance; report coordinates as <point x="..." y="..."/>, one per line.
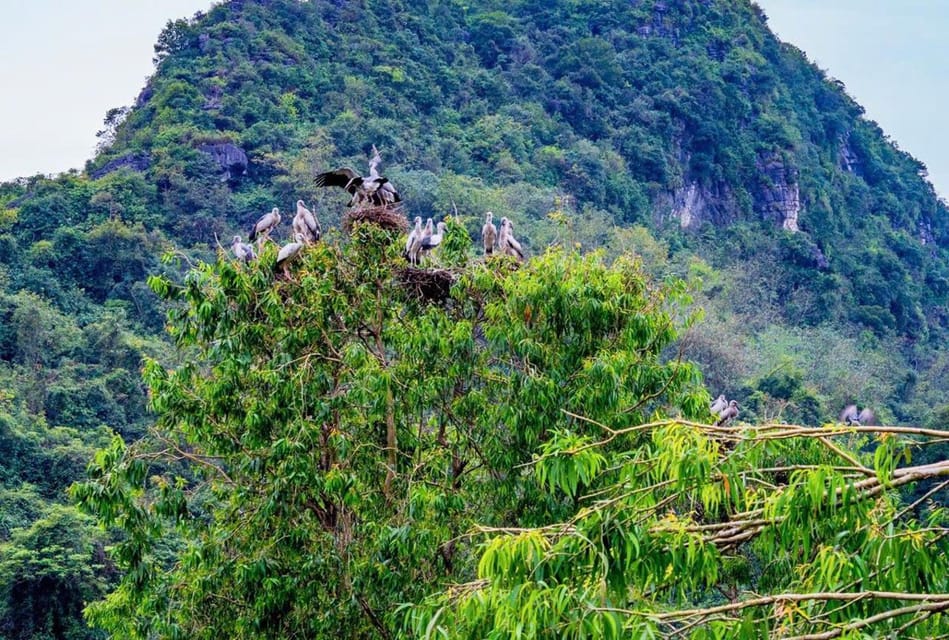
<point x="264" y="225"/>
<point x="415" y="236"/>
<point x="374" y="189"/>
<point x="489" y="234"/>
<point x="433" y="240"/>
<point x="386" y="191"/>
<point x="305" y="223"/>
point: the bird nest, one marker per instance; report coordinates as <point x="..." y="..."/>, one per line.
<point x="388" y="217"/>
<point x="429" y="285"/>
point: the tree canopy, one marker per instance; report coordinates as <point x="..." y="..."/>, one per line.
<point x="682" y="133"/>
<point x="527" y="458"/>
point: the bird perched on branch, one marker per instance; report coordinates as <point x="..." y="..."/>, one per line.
<point x="507" y="245"/>
<point x="718" y="405"/>
<point x="489" y="234"/>
<point x="243" y="252"/>
<point x="374" y="189"/>
<point x="305" y="223"/>
<point x="728" y="414"/>
<point x="264" y="225"/>
<point x="853" y="418"/>
<point x="289" y="252"/>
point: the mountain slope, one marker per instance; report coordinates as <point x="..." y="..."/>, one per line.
<point x="682" y="130"/>
<point x="683" y="114"/>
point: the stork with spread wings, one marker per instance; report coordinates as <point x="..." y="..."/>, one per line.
<point x="371" y="190"/>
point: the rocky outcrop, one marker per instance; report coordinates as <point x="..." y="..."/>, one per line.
<point x="926" y="235"/>
<point x="690" y="206"/>
<point x="693" y="205"/>
<point x="230" y="158"/>
<point x="847" y="159"/>
<point x="144" y="96"/>
<point x="133" y="161"/>
<point x="778" y="197"/>
<point x="820" y="260"/>
<point x="658" y="26"/>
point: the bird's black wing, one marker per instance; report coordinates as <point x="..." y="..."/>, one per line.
<point x="343" y="177"/>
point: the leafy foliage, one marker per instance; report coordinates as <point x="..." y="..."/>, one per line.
<point x="343" y="434"/>
<point x="342" y="439"/>
<point x="593" y="125"/>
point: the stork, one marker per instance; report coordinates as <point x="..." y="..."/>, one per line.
<point x="853" y="418"/>
<point x="414" y="236"/>
<point x="719" y="404"/>
<point x="374" y="189"/>
<point x="420" y="239"/>
<point x="264" y="225"/>
<point x="306" y="223"/>
<point x="489" y="234"/>
<point x="506" y="242"/>
<point x="728" y="414"/>
<point x="243" y="252"/>
<point x="386" y="191"/>
<point x="433" y="240"/>
<point x="290" y="251"/>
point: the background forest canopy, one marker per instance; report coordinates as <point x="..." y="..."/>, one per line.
<point x="683" y="133"/>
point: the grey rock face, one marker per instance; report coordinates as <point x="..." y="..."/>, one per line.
<point x="779" y="197"/>
<point x="230" y="157"/>
<point x="133" y="161"/>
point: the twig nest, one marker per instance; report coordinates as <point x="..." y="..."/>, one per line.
<point x="431" y="285"/>
<point x="389" y="217"/>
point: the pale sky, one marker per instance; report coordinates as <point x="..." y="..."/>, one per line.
<point x="892" y="55"/>
<point x="64" y="63"/>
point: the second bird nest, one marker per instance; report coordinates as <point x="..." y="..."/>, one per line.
<point x="432" y="285"/>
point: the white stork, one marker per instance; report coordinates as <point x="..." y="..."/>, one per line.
<point x="719" y="404"/>
<point x="433" y="240"/>
<point x="414" y="236"/>
<point x="264" y="225"/>
<point x="489" y="234"/>
<point x="853" y="418"/>
<point x="290" y="251"/>
<point x="307" y="224"/>
<point x="374" y="189"/>
<point x="243" y="252"/>
<point x="506" y="241"/>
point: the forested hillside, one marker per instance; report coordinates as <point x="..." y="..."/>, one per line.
<point x="681" y="132"/>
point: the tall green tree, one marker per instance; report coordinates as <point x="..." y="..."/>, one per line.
<point x="335" y="436"/>
<point x="48" y="572"/>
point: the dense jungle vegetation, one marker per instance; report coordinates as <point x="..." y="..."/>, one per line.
<point x="549" y="458"/>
